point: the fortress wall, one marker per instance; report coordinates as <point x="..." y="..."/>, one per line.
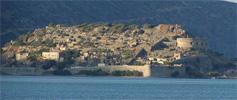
<point x="192" y="42"/>
<point x="21" y="71"/>
<point x="145" y="69"/>
<point x="76" y="70"/>
<point x="148" y="71"/>
<point x="166" y="72"/>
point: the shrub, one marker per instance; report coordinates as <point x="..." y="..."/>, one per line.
<point x="126" y="73"/>
<point x="61" y="65"/>
<point x="107" y="24"/>
<point x="49" y="64"/>
<point x="133" y="27"/>
<point x="66" y="34"/>
<point x="175" y="74"/>
<point x="86" y="27"/>
<point x="51" y="25"/>
<point x="98" y="72"/>
<point x="137" y="63"/>
<point x="167" y="63"/>
<point x="32" y="58"/>
<point x="140" y="31"/>
<point x="215" y="73"/>
<point x="48" y="43"/>
<point x="98" y="38"/>
<point x="146" y="26"/>
<point x="194" y="73"/>
<point x="62" y="72"/>
<point x="119" y="28"/>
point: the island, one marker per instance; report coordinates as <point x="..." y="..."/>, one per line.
<point x="106" y="49"/>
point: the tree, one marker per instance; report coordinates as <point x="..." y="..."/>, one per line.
<point x="62" y="72"/>
<point x="32" y="58"/>
<point x="175" y="74"/>
<point x="51" y="25"/>
<point x="133" y="27"/>
<point x="61" y="66"/>
<point x="49" y="64"/>
<point x="215" y="73"/>
<point x="140" y="31"/>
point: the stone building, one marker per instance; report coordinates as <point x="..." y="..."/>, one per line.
<point x="187" y="43"/>
<point x="21" y="56"/>
<point x="52" y="56"/>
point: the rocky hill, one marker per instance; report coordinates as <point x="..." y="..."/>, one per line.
<point x="113" y="44"/>
<point x="215" y="20"/>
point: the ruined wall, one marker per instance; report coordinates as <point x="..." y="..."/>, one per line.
<point x="192" y="42"/>
<point x="21" y="71"/>
<point x="144" y="69"/>
<point x="148" y="71"/>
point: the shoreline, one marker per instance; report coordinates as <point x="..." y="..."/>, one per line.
<point x="122" y="76"/>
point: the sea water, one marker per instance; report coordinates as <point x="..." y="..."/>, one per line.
<point x="115" y="88"/>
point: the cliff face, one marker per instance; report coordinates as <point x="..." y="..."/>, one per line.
<point x="215" y="20"/>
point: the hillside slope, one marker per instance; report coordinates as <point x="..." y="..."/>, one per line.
<point x="215" y="20"/>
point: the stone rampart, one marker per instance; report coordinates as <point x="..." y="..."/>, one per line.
<point x="144" y="69"/>
<point x="21" y="71"/>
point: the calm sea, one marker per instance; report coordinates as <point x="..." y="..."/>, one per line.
<point x="115" y="88"/>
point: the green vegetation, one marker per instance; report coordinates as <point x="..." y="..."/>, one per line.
<point x="140" y="31"/>
<point x="168" y="63"/>
<point x="229" y="65"/>
<point x="48" y="43"/>
<point x="126" y="73"/>
<point x="18" y="43"/>
<point x="62" y="72"/>
<point x="118" y="28"/>
<point x="175" y="74"/>
<point x="69" y="55"/>
<point x="127" y="53"/>
<point x="137" y="63"/>
<point x="146" y="26"/>
<point x="89" y="44"/>
<point x="132" y="27"/>
<point x="100" y="50"/>
<point x="112" y="38"/>
<point x="32" y="58"/>
<point x="215" y="73"/>
<point x="51" y="25"/>
<point x="194" y="73"/>
<point x="107" y="24"/>
<point x="98" y="38"/>
<point x="98" y="72"/>
<point x="61" y="65"/>
<point x="66" y="34"/>
<point x="48" y="64"/>
<point x="41" y="34"/>
<point x="86" y="27"/>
